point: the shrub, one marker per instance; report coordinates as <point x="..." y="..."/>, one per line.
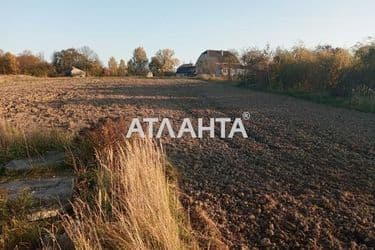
<point x="9" y="64"/>
<point x="363" y="97"/>
<point x="30" y="64"/>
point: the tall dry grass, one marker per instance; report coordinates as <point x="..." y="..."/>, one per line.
<point x="16" y="230"/>
<point x="135" y="207"/>
<point x="16" y="143"/>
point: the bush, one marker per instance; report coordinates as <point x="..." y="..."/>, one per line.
<point x="30" y="64"/>
<point x="363" y="97"/>
<point x="337" y="72"/>
<point x="8" y="64"/>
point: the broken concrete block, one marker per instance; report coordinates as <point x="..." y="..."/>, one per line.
<point x="50" y="159"/>
<point x="57" y="189"/>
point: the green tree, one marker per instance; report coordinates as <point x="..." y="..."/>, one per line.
<point x="138" y="64"/>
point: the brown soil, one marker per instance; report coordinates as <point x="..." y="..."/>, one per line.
<point x="304" y="177"/>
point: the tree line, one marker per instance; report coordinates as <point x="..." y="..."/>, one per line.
<point x="327" y="69"/>
<point x="322" y="69"/>
<point x="162" y="63"/>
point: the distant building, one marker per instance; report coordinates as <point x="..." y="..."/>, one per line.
<point x="188" y="70"/>
<point x="219" y="63"/>
<point x="76" y="72"/>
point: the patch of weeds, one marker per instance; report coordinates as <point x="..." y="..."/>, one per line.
<point x="16" y="232"/>
<point x="16" y="144"/>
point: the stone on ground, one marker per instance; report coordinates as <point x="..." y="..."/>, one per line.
<point x="49" y="189"/>
<point x="50" y="159"/>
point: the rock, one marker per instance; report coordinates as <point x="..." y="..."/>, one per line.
<point x="17" y="165"/>
<point x="50" y="159"/>
<point x="58" y="189"/>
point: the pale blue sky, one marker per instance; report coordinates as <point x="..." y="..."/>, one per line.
<point x="115" y="28"/>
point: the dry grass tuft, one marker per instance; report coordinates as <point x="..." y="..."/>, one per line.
<point x="135" y="207"/>
<point x="16" y="144"/>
